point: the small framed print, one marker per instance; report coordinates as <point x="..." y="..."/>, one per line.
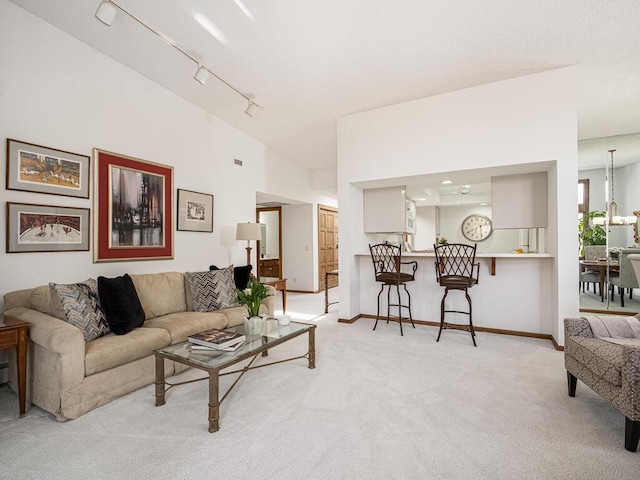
<point x="195" y="211"/>
<point x="35" y="168"/>
<point x="133" y="209"/>
<point x="44" y="228"/>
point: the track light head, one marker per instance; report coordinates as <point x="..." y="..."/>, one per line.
<point x="106" y="12"/>
<point x="252" y="108"/>
<point x="201" y="75"/>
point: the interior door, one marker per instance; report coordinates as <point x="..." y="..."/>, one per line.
<point x="327" y="244"/>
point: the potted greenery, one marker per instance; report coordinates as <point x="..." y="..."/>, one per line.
<point x="590" y="233"/>
<point x="251" y="297"/>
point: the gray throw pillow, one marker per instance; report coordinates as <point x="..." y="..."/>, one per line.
<point x="212" y="290"/>
<point x="81" y="306"/>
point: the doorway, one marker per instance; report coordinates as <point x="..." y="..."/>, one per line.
<point x="327" y="244"/>
<point x="269" y="248"/>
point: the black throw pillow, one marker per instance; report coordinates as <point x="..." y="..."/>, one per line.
<point x="241" y="276"/>
<point x="120" y="304"/>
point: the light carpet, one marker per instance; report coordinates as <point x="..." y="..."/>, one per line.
<point x="377" y="406"/>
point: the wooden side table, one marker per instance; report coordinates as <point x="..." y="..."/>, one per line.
<point x="279" y="284"/>
<point x="13" y="334"/>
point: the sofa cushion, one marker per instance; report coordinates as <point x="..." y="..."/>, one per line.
<point x="120" y="303"/>
<point x="160" y="293"/>
<point x="212" y="290"/>
<point x="236" y="315"/>
<point x="82" y="307"/>
<point x="42" y="299"/>
<point x="113" y="350"/>
<point x="603" y="358"/>
<point x="181" y="325"/>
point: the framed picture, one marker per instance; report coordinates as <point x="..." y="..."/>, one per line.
<point x="132" y="209"/>
<point x="44" y="228"/>
<point x="34" y="168"/>
<point x="195" y="211"/>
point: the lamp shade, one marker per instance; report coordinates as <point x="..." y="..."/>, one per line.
<point x="248" y="231"/>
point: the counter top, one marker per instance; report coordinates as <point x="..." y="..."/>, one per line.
<point x="478" y="255"/>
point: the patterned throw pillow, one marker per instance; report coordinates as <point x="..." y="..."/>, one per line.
<point x="212" y="290"/>
<point x="82" y="307"/>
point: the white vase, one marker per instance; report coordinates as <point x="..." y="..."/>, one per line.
<point x="253" y="325"/>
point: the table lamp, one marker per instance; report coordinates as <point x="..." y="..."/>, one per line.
<point x="248" y="231"/>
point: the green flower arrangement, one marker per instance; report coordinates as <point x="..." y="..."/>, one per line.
<point x="252" y="296"/>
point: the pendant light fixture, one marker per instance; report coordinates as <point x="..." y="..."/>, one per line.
<point x="612" y="217"/>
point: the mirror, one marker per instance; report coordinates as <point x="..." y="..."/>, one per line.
<point x="611" y="182"/>
<point x="270" y="246"/>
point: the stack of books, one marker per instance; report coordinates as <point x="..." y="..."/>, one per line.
<point x="215" y="339"/>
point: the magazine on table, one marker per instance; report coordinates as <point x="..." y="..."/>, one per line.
<point x="195" y="348"/>
<point x="216" y="338"/>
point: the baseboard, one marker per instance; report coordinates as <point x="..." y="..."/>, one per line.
<point x="499" y="331"/>
<point x="349" y="320"/>
<point x="609" y="312"/>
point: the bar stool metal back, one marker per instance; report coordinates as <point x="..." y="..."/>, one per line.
<point x="387" y="264"/>
<point x="456" y="270"/>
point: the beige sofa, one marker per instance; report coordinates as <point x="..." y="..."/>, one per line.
<point x="69" y="377"/>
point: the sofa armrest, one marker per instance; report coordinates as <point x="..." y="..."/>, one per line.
<point x="631" y="380"/>
<point x="577" y="327"/>
<point x="56" y="350"/>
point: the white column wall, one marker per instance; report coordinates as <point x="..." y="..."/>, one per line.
<point x="58" y="92"/>
<point x="524" y="120"/>
<point x="297" y="246"/>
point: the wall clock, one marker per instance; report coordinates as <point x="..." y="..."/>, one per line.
<point x="477" y="227"/>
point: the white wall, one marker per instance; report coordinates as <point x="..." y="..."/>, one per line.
<point x="58" y="92"/>
<point x="528" y="119"/>
<point x="297" y="246"/>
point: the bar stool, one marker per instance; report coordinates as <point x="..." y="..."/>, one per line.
<point x="387" y="264"/>
<point x="456" y="270"/>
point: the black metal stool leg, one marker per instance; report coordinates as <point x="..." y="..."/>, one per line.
<point x="399" y="309"/>
<point x="378" y="313"/>
<point x="446" y="292"/>
<point x="473" y="333"/>
<point x="409" y="304"/>
<point x="388" y="302"/>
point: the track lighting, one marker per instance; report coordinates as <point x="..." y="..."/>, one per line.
<point x="252" y="108"/>
<point x="201" y="75"/>
<point x="106" y="13"/>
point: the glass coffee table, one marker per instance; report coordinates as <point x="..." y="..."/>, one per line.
<point x="215" y="361"/>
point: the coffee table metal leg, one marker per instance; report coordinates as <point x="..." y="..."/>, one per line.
<point x="214" y="404"/>
<point x="159" y="381"/>
<point x="312" y="348"/>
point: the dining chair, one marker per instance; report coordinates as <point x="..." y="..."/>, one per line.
<point x="627" y="276"/>
<point x="388" y="265"/>
<point x="456" y="270"/>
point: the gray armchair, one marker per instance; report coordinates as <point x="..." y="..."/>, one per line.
<point x="627" y="277"/>
<point x="612" y="370"/>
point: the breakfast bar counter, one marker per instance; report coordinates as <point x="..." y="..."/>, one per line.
<point x="513" y="291"/>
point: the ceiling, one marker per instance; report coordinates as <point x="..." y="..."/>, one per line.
<point x="308" y="62"/>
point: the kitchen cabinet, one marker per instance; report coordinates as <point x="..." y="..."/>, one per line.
<point x="388" y="210"/>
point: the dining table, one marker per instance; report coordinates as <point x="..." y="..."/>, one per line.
<point x="601" y="266"/>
